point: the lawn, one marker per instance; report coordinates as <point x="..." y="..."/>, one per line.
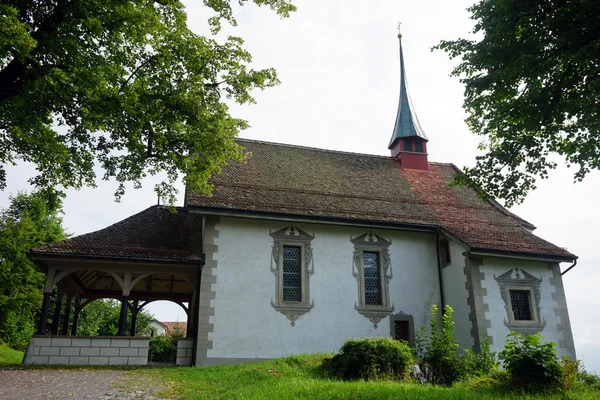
<point x="302" y="378"/>
<point x="9" y="356"/>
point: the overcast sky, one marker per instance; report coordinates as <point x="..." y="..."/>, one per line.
<point x="338" y="63"/>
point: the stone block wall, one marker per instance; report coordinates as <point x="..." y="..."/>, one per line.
<point x="87" y="350"/>
<point x="184" y="351"/>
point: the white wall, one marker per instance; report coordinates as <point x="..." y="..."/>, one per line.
<point x="245" y="324"/>
<point x="456" y="294"/>
<point x="494" y="266"/>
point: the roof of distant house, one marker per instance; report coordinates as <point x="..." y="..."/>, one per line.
<point x="288" y="180"/>
<point x="173" y="325"/>
<point x="155" y="234"/>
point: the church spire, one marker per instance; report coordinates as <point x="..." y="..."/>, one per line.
<point x="408" y="136"/>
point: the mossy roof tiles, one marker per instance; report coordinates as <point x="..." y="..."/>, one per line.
<point x="301" y="181"/>
<point x="155" y="234"/>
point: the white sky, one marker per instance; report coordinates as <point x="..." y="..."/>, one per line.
<point x="338" y="63"/>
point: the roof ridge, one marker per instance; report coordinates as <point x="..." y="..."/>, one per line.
<point x="297" y="146"/>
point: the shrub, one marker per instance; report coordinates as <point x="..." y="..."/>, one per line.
<point x="482" y="383"/>
<point x="570" y="376"/>
<point x="371" y="358"/>
<point x="440" y="348"/>
<point x="162" y="348"/>
<point x="478" y="364"/>
<point x="531" y="363"/>
<point x="588" y="379"/>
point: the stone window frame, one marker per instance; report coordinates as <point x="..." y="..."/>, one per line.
<point x="292" y="236"/>
<point x="526" y="283"/>
<point x="370" y="242"/>
<point x="411" y="326"/>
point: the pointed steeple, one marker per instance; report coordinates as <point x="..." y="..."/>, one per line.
<point x="408" y="136"/>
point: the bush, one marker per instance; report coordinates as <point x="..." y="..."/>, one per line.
<point x="531" y="363"/>
<point x="371" y="358"/>
<point x="162" y="348"/>
<point x="588" y="379"/>
<point x="440" y="349"/>
<point x="478" y="364"/>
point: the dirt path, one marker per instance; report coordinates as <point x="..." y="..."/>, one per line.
<point x="75" y="384"/>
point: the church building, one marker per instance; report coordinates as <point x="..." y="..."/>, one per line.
<point x="299" y="249"/>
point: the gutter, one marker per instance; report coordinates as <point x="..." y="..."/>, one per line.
<point x="570" y="268"/>
<point x="521" y="255"/>
<point x="439" y="265"/>
<point x="239" y="213"/>
<point x="49" y="256"/>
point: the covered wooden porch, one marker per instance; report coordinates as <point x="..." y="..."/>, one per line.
<point x="153" y="255"/>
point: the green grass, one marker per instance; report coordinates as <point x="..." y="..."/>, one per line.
<point x="301" y="377"/>
<point x="10" y="356"/>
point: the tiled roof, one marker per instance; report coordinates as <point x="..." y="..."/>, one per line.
<point x="171" y="326"/>
<point x="302" y="181"/>
<point x="156" y="233"/>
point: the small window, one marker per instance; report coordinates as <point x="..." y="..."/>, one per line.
<point x="445" y="252"/>
<point x="372" y="281"/>
<point x="408" y="145"/>
<point x="292" y="273"/>
<point x="521" y="293"/>
<point x="418" y="146"/>
<point x="402" y="327"/>
<point x="401" y="330"/>
<point x="521" y="307"/>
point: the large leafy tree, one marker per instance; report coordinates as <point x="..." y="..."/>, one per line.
<point x="124" y="84"/>
<point x="30" y="221"/>
<point x="532" y="88"/>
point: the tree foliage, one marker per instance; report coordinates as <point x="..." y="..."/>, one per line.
<point x="124" y="84"/>
<point x="101" y="318"/>
<point x="30" y="221"/>
<point x="532" y="84"/>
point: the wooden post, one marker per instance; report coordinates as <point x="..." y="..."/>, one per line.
<point x="77" y="310"/>
<point x="44" y="315"/>
<point x="67" y="316"/>
<point x="123" y="318"/>
<point x="57" y="310"/>
<point x="134" y="313"/>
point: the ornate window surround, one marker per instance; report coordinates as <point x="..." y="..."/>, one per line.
<point x="371" y="242"/>
<point x="526" y="283"/>
<point x="401" y="316"/>
<point x="292" y="236"/>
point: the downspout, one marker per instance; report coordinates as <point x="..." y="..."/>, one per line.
<point x="570" y="268"/>
<point x="439" y="265"/>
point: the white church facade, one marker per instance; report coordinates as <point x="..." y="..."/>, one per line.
<point x="299" y="249"/>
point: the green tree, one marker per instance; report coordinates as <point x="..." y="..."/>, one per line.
<point x="124" y="84"/>
<point x="101" y="318"/>
<point x="532" y="84"/>
<point x="31" y="220"/>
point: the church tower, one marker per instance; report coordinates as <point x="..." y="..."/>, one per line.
<point x="409" y="142"/>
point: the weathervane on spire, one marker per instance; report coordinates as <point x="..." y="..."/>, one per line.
<point x="399" y="30"/>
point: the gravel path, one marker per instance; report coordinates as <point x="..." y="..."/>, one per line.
<point x="75" y="384"/>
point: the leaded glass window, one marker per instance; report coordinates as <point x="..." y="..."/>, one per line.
<point x="519" y="299"/>
<point x="292" y="273"/>
<point x="371" y="278"/>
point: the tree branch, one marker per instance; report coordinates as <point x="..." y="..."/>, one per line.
<point x="151" y="58"/>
